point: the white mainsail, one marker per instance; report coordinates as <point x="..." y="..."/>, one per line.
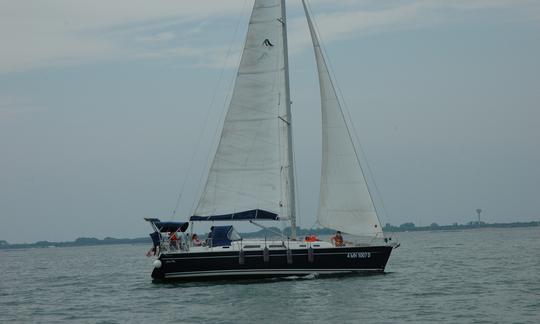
<point x="345" y="202"/>
<point x="252" y="167"/>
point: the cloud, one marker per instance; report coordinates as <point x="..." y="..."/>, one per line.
<point x="159" y="37"/>
<point x="351" y="18"/>
<point x="37" y="34"/>
<point x="12" y="106"/>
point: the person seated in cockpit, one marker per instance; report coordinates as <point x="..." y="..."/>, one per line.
<point x="311" y="238"/>
<point x="195" y="240"/>
<point x="173" y="241"/>
<point x="337" y="239"/>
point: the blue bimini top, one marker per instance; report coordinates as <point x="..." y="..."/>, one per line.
<point x="245" y="215"/>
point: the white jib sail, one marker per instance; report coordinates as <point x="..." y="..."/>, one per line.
<point x="250" y="169"/>
<point x="345" y="201"/>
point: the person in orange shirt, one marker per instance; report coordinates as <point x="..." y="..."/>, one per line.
<point x="311" y="238"/>
<point x="173" y="240"/>
<point x="337" y="239"/>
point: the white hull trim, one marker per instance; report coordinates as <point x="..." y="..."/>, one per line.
<point x="276" y="272"/>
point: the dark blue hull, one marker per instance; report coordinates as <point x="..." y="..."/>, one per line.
<point x="253" y="264"/>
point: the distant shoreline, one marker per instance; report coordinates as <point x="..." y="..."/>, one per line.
<point x="406" y="227"/>
<point x="410" y="227"/>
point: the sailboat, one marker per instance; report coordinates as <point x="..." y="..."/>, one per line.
<point x="251" y="178"/>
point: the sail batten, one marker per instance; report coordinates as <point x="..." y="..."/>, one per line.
<point x="345" y="202"/>
<point x="247" y="170"/>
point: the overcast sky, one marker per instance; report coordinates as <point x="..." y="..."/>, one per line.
<point x="103" y="104"/>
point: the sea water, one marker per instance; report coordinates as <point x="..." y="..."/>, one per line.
<point x="470" y="276"/>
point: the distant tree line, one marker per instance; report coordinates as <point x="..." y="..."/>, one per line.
<point x="270" y="232"/>
<point x="81" y="241"/>
<point x="410" y="227"/>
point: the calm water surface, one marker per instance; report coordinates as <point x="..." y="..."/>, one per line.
<point x="474" y="276"/>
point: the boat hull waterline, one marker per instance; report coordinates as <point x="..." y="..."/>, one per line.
<point x="232" y="265"/>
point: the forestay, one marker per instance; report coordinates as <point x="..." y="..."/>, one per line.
<point x="345" y="201"/>
<point x="250" y="170"/>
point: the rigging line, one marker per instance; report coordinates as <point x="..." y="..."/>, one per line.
<point x="347" y="110"/>
<point x="292" y="207"/>
<point x="214" y="146"/>
<point x="205" y="124"/>
<point x="284" y="203"/>
<point x="297" y="196"/>
<point x="363" y="155"/>
<point x="284" y="131"/>
<point x="315" y="223"/>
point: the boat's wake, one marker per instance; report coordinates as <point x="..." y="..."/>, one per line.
<point x="310" y="276"/>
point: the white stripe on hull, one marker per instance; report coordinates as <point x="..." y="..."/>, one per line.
<point x="274" y="272"/>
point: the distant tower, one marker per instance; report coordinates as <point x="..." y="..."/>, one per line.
<point x="478" y="211"/>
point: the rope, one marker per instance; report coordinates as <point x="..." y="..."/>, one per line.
<point x="223" y="113"/>
<point x="212" y="101"/>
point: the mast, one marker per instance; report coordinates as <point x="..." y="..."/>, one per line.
<point x="251" y="174"/>
<point x="292" y="199"/>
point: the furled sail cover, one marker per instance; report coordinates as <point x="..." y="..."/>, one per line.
<point x="250" y="167"/>
<point x="345" y="202"/>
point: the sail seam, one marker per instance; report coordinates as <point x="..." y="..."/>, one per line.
<point x="258" y="72"/>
